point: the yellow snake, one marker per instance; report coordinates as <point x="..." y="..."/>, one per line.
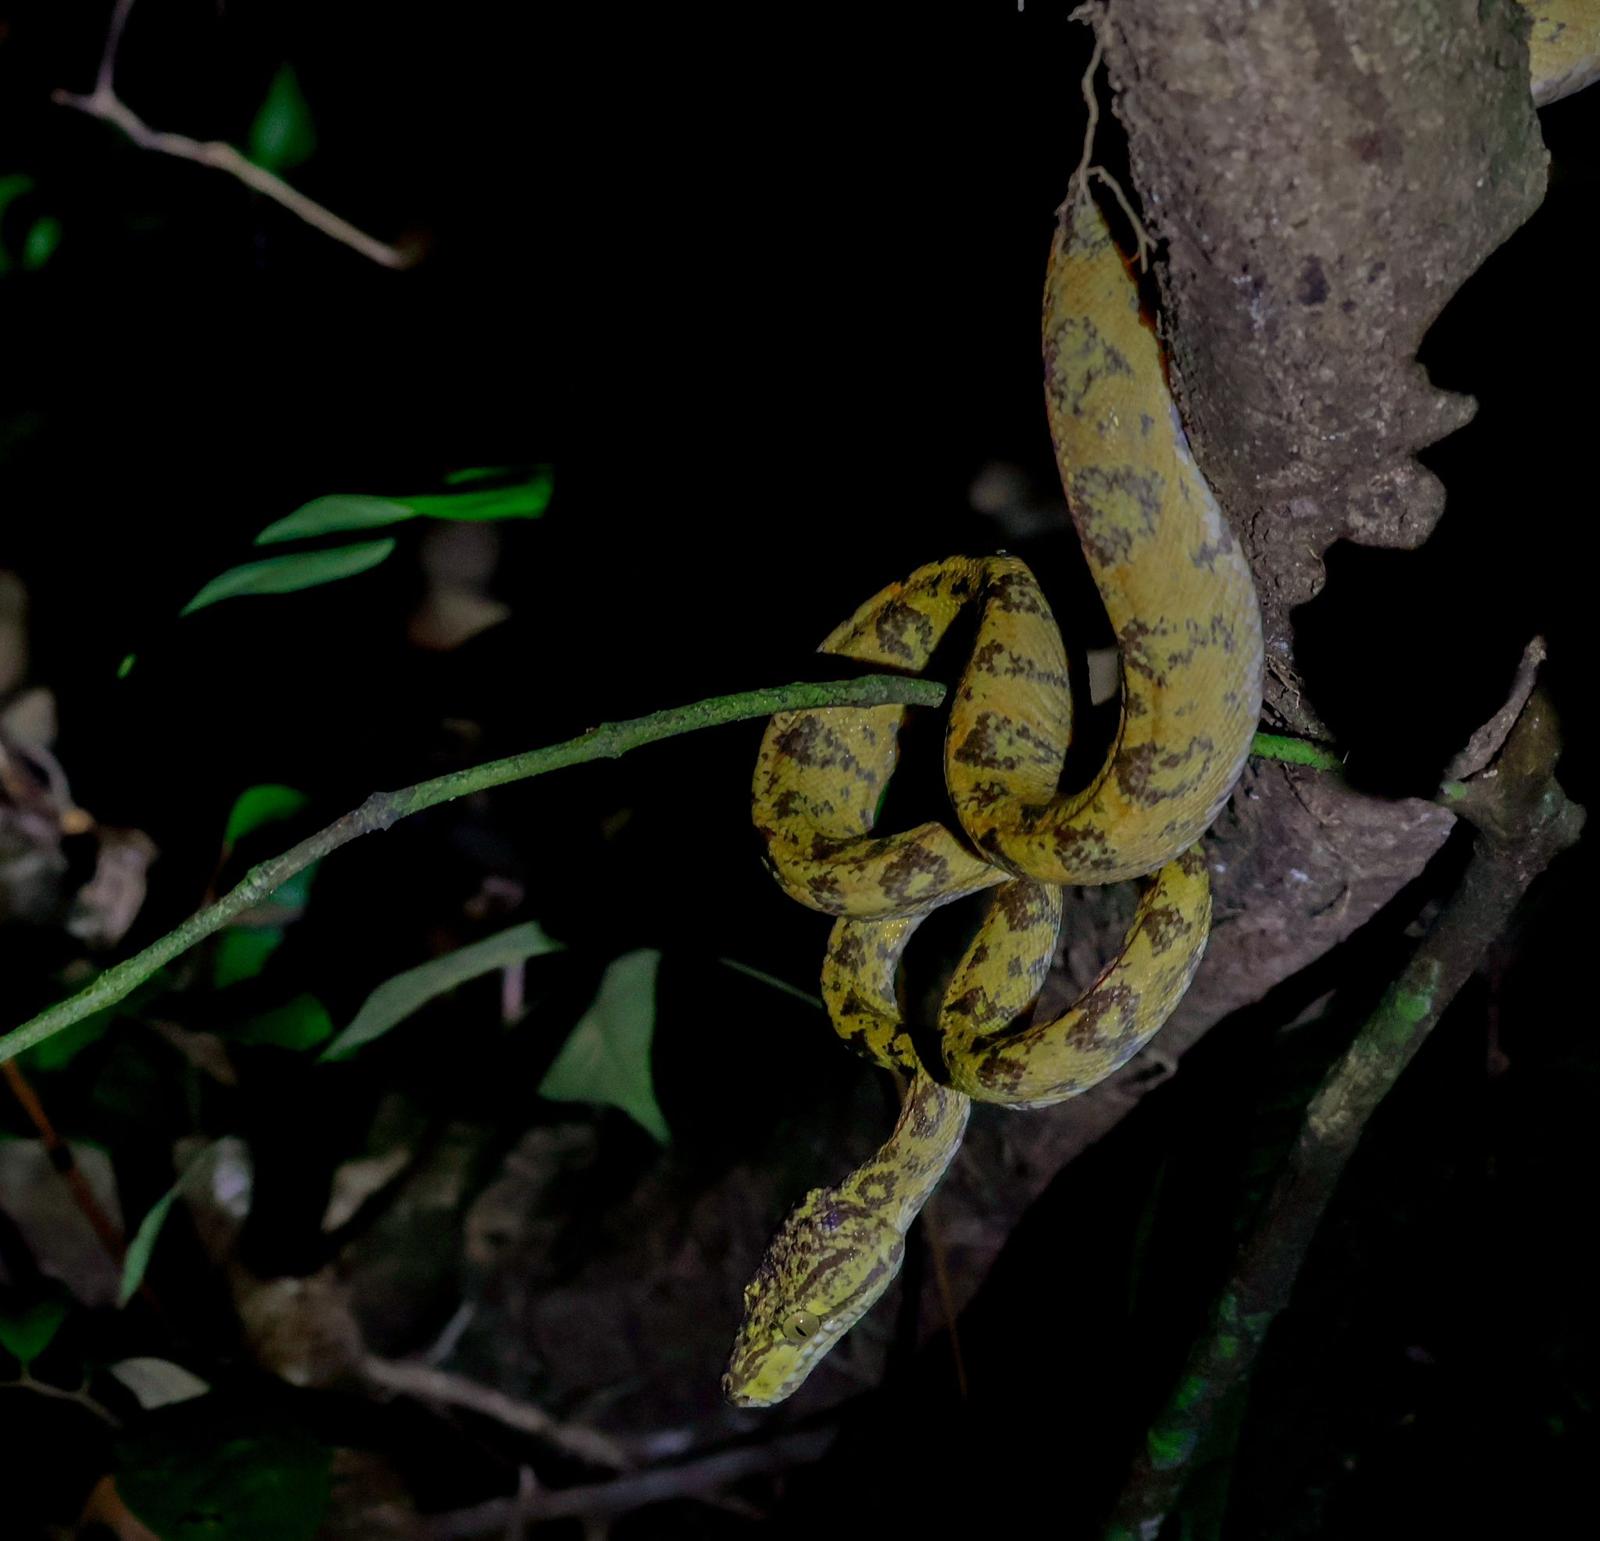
<point x="1180" y="597"/>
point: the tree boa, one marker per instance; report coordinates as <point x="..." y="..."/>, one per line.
<point x="1180" y="597"/>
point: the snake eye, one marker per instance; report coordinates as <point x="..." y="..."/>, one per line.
<point x="799" y="1325"/>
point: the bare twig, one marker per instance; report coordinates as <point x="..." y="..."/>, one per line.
<point x="1523" y="821"/>
<point x="702" y="1479"/>
<point x="427" y="1384"/>
<point x="1078" y="183"/>
<point x="106" y="74"/>
<point x="1093" y="16"/>
<point x="26" y="1382"/>
<point x="517" y="1520"/>
<point x="104" y="103"/>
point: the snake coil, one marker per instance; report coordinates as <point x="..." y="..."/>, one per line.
<point x="1179" y="594"/>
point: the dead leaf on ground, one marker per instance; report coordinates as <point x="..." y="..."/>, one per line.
<point x="62" y="1242"/>
<point x="109" y="903"/>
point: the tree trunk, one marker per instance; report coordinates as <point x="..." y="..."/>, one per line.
<point x="1318" y="179"/>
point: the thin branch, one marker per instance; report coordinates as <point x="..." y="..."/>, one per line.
<point x="104" y="103"/>
<point x="378" y="812"/>
<point x="26" y="1382"/>
<point x="382" y="809"/>
<point x="110" y="108"/>
<point x="703" y="1479"/>
<point x="427" y="1384"/>
<point x="1523" y="821"/>
<point x="62" y="1159"/>
<point x="106" y="74"/>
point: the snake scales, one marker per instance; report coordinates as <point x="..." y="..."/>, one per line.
<point x="1179" y="594"/>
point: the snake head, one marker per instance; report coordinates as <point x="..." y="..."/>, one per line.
<point x="830" y="1261"/>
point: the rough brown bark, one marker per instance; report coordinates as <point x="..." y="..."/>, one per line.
<point x="1319" y="178"/>
<point x="1323" y="177"/>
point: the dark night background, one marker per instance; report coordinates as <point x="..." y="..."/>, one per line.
<point x="763" y="288"/>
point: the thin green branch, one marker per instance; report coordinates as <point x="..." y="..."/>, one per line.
<point x="608" y="741"/>
<point x="1522" y="820"/>
<point x="382" y="809"/>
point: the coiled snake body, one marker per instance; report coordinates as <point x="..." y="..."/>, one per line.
<point x="1179" y="594"/>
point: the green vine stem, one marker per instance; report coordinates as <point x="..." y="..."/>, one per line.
<point x="1522" y="822"/>
<point x="607" y="741"/>
<point x="382" y="809"/>
<point x="1296" y="751"/>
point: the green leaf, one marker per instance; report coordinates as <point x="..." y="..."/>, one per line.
<point x="143" y="1244"/>
<point x="302" y="1023"/>
<point x="39" y="245"/>
<point x="286" y="574"/>
<point x="396" y="999"/>
<point x="194" y="1474"/>
<point x="342" y="512"/>
<point x="26" y="1334"/>
<point x="13" y="187"/>
<point x="335" y="513"/>
<point x="478" y="474"/>
<point x="607" y="1057"/>
<point x="293" y="893"/>
<point x="269" y="803"/>
<point x="523" y="500"/>
<point x="144" y="1239"/>
<point x="283" y="135"/>
<point x="59" y="1050"/>
<point x="242" y="953"/>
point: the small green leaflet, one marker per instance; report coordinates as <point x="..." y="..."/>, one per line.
<point x="607" y="1057"/>
<point x="337" y="512"/>
<point x="40" y="243"/>
<point x="283" y="135"/>
<point x="396" y="999"/>
<point x="342" y="512"/>
<point x="286" y="574"/>
<point x="525" y="501"/>
<point x="267" y="803"/>
<point x="26" y="1334"/>
<point x="58" y="1051"/>
<point x="242" y="951"/>
<point x="43" y="236"/>
<point x="302" y="1023"/>
<point x="481" y="474"/>
<point x="13" y="186"/>
<point x="144" y="1239"/>
<point x="61" y="1048"/>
